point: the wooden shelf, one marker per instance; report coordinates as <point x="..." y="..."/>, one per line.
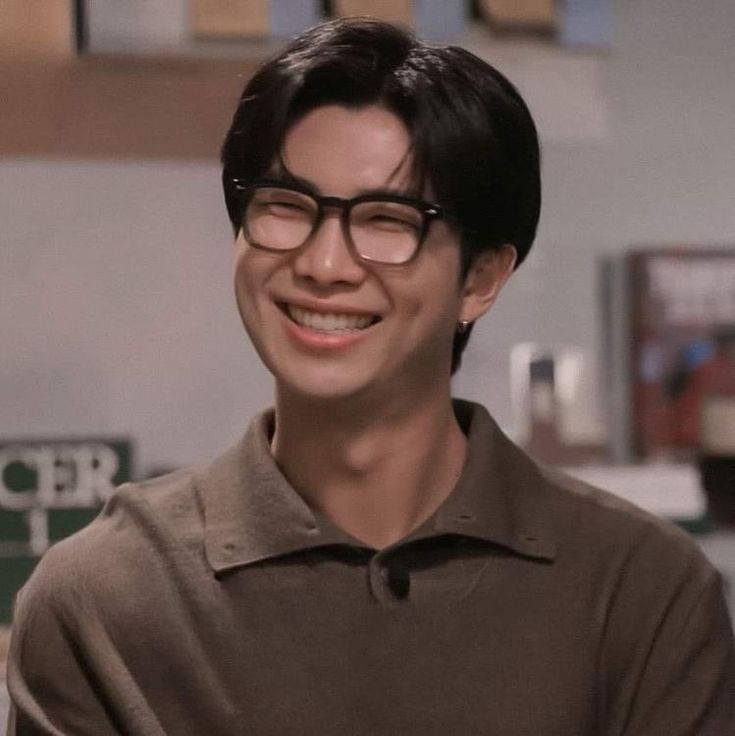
<point x="119" y="106"/>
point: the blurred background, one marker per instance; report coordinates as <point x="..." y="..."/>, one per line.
<point x="611" y="352"/>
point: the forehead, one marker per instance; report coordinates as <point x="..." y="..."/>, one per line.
<point x="344" y="150"/>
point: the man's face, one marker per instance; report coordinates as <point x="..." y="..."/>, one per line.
<point x="329" y="325"/>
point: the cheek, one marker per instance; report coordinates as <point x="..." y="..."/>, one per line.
<point x="430" y="303"/>
<point x="436" y="285"/>
<point x="241" y="278"/>
<point x="249" y="276"/>
<point x="241" y="269"/>
<point x="250" y="268"/>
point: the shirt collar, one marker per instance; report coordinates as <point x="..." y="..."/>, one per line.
<point x="501" y="496"/>
<point x="252" y="513"/>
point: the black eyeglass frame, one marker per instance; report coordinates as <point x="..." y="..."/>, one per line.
<point x="428" y="211"/>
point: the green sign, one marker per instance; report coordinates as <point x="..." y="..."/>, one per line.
<point x="49" y="489"/>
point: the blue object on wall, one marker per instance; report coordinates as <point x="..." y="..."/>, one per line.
<point x="440" y="20"/>
<point x="587" y="23"/>
<point x="290" y="17"/>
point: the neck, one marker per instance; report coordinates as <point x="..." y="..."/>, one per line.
<point x="376" y="473"/>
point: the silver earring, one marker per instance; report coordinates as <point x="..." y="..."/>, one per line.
<point x="463" y="326"/>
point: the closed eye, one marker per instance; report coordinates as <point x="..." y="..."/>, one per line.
<point x="389" y="221"/>
<point x="285" y="208"/>
<point x="389" y="216"/>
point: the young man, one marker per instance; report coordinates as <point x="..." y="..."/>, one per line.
<point x="373" y="558"/>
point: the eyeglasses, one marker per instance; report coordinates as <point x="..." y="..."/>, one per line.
<point x="380" y="228"/>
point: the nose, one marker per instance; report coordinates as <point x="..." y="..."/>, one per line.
<point x="326" y="257"/>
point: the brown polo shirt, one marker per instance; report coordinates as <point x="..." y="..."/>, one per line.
<point x="215" y="601"/>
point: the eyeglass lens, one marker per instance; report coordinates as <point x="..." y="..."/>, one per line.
<point x="381" y="231"/>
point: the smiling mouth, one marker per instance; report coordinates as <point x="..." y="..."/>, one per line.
<point x="328" y="321"/>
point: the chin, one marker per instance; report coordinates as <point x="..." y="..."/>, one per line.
<point x="320" y="388"/>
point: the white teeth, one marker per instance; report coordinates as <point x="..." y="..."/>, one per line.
<point x="328" y="322"/>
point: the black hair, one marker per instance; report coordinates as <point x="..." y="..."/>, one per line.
<point x="473" y="137"/>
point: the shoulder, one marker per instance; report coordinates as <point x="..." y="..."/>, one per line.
<point x="620" y="539"/>
<point x="591" y="534"/>
<point x="607" y="512"/>
<point x="136" y="513"/>
<point x="141" y="527"/>
<point x="665" y="647"/>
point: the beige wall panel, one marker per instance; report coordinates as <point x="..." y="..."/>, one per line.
<point x="520" y="12"/>
<point x="229" y="18"/>
<point x="393" y="11"/>
<point x="36" y="28"/>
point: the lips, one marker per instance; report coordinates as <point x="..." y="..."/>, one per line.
<point x="331" y="322"/>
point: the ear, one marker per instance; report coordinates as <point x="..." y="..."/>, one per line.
<point x="485" y="279"/>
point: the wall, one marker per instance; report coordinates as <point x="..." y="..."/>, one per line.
<point x="664" y="172"/>
<point x="117" y="315"/>
<point x="116" y="312"/>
